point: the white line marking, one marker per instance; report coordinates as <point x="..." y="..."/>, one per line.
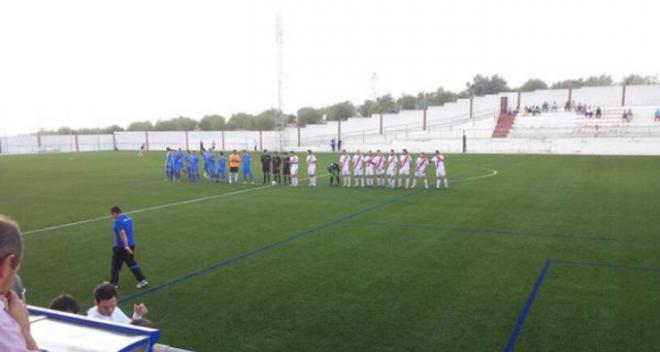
<point x="492" y="173"/>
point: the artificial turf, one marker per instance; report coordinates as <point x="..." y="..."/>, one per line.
<point x="263" y="268"/>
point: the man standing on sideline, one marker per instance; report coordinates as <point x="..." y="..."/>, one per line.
<point x="440" y="172"/>
<point x="265" y="166"/>
<point x="234" y="163"/>
<point x="404" y="170"/>
<point x="277" y="164"/>
<point x="333" y="144"/>
<point x="124" y="248"/>
<point x="14" y="317"/>
<point x="311" y="168"/>
<point x="286" y="169"/>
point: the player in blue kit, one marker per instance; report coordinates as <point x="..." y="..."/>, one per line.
<point x="193" y="167"/>
<point x="123" y="250"/>
<point x="169" y="164"/>
<point x="246" y="159"/>
<point x="209" y="163"/>
<point x="178" y="164"/>
<point x="222" y="165"/>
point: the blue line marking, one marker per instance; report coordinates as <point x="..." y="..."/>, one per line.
<point x="259" y="250"/>
<point x="523" y="315"/>
<point x="518" y="234"/>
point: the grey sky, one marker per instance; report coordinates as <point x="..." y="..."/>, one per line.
<point x="92" y="63"/>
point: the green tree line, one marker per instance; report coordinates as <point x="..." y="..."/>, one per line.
<point x="386" y="104"/>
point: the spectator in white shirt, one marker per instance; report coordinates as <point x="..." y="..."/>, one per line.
<point x="106" y="306"/>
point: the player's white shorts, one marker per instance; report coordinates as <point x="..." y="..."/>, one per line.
<point x="404" y="172"/>
<point x="358" y="172"/>
<point x="391" y="172"/>
<point x="420" y="173"/>
<point x="294" y="170"/>
<point x="311" y="170"/>
<point x="369" y="171"/>
<point x="346" y="171"/>
<point x="380" y="172"/>
<point x="440" y="172"/>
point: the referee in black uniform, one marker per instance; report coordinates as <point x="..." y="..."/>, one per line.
<point x="265" y="165"/>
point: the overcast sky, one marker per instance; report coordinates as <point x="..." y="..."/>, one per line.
<point x="95" y="63"/>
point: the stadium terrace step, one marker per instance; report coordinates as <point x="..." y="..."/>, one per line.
<point x="503" y="126"/>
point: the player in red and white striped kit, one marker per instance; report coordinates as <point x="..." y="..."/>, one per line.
<point x="379" y="164"/>
<point x="404" y="169"/>
<point x="358" y="168"/>
<point x="420" y="170"/>
<point x="311" y="168"/>
<point x="440" y="172"/>
<point x="369" y="168"/>
<point x="392" y="160"/>
<point x="293" y="159"/>
<point x="345" y="164"/>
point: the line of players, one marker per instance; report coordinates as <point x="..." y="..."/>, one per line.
<point x="368" y="170"/>
<point x="380" y="170"/>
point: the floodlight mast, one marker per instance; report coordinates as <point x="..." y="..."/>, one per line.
<point x="281" y="119"/>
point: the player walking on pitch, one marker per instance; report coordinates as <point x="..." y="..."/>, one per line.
<point x="124" y="248"/>
<point x="440" y="172"/>
<point x="358" y="168"/>
<point x="404" y="170"/>
<point x="392" y="160"/>
<point x="420" y="170"/>
<point x="345" y="162"/>
<point x="311" y="168"/>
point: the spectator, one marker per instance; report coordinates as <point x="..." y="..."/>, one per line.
<point x="599" y="112"/>
<point x="657" y="115"/>
<point x="106" y="308"/>
<point x="18" y="287"/>
<point x="339" y="143"/>
<point x="14" y="317"/>
<point x="567" y="106"/>
<point x="64" y="303"/>
<point x="555" y="107"/>
<point x="333" y="144"/>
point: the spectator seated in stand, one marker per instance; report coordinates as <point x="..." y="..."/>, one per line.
<point x="64" y="303"/>
<point x="106" y="308"/>
<point x="657" y="115"/>
<point x="599" y="112"/>
<point x="555" y="107"/>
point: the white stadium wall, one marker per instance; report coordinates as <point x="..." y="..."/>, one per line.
<point x="443" y="127"/>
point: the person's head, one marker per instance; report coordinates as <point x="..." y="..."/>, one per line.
<point x="405" y="152"/>
<point x="309" y="151"/>
<point x="370" y="153"/>
<point x="64" y="303"/>
<point x="222" y="153"/>
<point x="422" y="155"/>
<point x="115" y="211"/>
<point x="392" y="151"/>
<point x="377" y="151"/>
<point x="357" y="151"/>
<point x="105" y="295"/>
<point x="11" y="253"/>
<point x="234" y="151"/>
<point x="293" y="153"/>
<point x="437" y="152"/>
<point x="265" y="151"/>
<point x="145" y="323"/>
<point x="344" y="151"/>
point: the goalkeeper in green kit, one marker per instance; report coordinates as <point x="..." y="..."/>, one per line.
<point x="333" y="169"/>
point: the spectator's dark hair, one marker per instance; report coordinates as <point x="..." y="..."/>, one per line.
<point x="222" y="153"/>
<point x="145" y="323"/>
<point x="105" y="291"/>
<point x="11" y="242"/>
<point x="115" y="210"/>
<point x="64" y="303"/>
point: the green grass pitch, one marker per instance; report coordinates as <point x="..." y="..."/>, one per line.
<point x="257" y="268"/>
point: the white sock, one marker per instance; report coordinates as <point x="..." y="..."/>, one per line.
<point x="426" y="183"/>
<point x="437" y="183"/>
<point x="362" y="181"/>
<point x="400" y="182"/>
<point x="407" y="182"/>
<point x="414" y="183"/>
<point x="446" y="183"/>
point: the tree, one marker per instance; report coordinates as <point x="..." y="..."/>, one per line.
<point x="212" y="123"/>
<point x="241" y="121"/>
<point x="111" y="129"/>
<point x="180" y="123"/>
<point x="340" y="111"/>
<point x="597" y="81"/>
<point x="267" y="120"/>
<point x="369" y="108"/>
<point x="387" y="104"/>
<point x="407" y="102"/>
<point x="308" y="116"/>
<point x="482" y="85"/>
<point x="635" y="79"/>
<point x="533" y="84"/>
<point x="437" y="98"/>
<point x="140" y="126"/>
<point x="569" y="83"/>
<point x="65" y="130"/>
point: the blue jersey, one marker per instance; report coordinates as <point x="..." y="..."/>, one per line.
<point x="193" y="161"/>
<point x="169" y="159"/>
<point x="222" y="163"/>
<point x="123" y="222"/>
<point x="247" y="159"/>
<point x="178" y="159"/>
<point x="210" y="158"/>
